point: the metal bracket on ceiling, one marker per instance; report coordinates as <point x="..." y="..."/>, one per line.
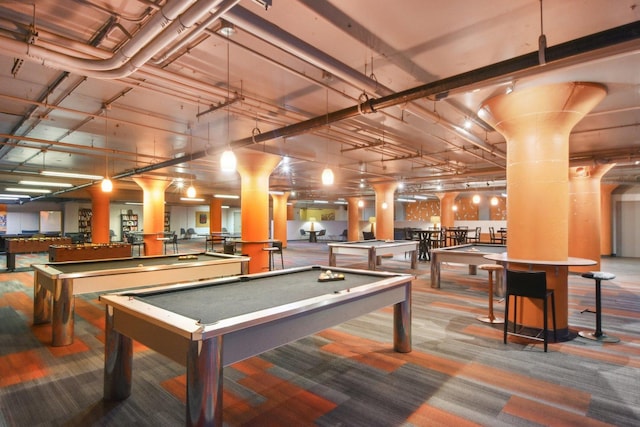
<point x="220" y="105"/>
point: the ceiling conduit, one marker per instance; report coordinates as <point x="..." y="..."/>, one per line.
<point x="620" y="40"/>
<point x="274" y="35"/>
<point x="103" y="69"/>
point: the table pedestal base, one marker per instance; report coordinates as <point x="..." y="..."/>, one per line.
<point x="487" y="319"/>
<point x="592" y="335"/>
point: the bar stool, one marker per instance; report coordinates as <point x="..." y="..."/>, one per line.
<point x="598" y="335"/>
<point x="490" y="318"/>
<point x="529" y="284"/>
<point x="276" y="247"/>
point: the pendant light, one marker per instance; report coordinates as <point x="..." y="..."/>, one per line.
<point x="106" y="185"/>
<point x="327" y="176"/>
<point x="327" y="173"/>
<point x="228" y="161"/>
<point x="191" y="191"/>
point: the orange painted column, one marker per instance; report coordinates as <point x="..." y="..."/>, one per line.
<point x="215" y="215"/>
<point x="353" y="219"/>
<point x="152" y="212"/>
<point x="290" y="211"/>
<point x="99" y="214"/>
<point x="447" y="214"/>
<point x="606" y="224"/>
<point x="536" y="123"/>
<point x="585" y="211"/>
<point x="255" y="168"/>
<point x="280" y="217"/>
<point x="384" y="216"/>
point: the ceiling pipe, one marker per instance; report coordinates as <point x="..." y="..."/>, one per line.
<point x="622" y="39"/>
<point x="126" y="62"/>
<point x="281" y="39"/>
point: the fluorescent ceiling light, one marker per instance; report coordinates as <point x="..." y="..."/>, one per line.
<point x="29" y="190"/>
<point x="224" y="207"/>
<point x="71" y="175"/>
<point x="191" y="199"/>
<point x="406" y="200"/>
<point x="133" y="203"/>
<point x="277" y="193"/>
<point x="226" y="196"/>
<point x="340" y="202"/>
<point x="420" y="197"/>
<point x="46" y="183"/>
<point x="10" y="197"/>
<point x="320" y="201"/>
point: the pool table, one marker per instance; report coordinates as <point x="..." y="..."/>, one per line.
<point x="55" y="284"/>
<point x="208" y="325"/>
<point x="374" y="250"/>
<point x="472" y="254"/>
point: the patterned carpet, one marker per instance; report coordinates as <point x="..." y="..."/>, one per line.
<point x="459" y="372"/>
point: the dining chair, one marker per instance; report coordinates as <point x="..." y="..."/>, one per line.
<point x="529" y="284"/>
<point x="492" y="236"/>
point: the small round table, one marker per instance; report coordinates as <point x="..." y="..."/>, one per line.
<point x="490" y="318"/>
<point x="598" y="335"/>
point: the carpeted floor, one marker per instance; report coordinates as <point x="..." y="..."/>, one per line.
<point x="458" y="374"/>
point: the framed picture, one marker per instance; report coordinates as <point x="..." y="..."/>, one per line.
<point x="202" y="219"/>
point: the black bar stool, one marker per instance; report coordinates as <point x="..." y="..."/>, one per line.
<point x="529" y="284"/>
<point x="598" y="335"/>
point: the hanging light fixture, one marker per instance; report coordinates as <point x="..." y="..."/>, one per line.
<point x="327" y="173"/>
<point x="475" y="199"/>
<point x="327" y="176"/>
<point x="191" y="191"/>
<point x="228" y="161"/>
<point x="106" y="185"/>
<point x="385" y="205"/>
<point x="494" y="201"/>
<point x="360" y="203"/>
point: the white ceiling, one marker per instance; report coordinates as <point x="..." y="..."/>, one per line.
<point x="308" y="63"/>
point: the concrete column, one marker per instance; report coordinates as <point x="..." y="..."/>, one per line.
<point x="447" y="215"/>
<point x="353" y="219"/>
<point x="585" y="211"/>
<point x="606" y="223"/>
<point x="255" y="168"/>
<point x="215" y="215"/>
<point x="280" y="217"/>
<point x="99" y="214"/>
<point x="536" y="123"/>
<point x="384" y="217"/>
<point x="152" y="212"/>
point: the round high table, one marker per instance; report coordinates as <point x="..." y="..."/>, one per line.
<point x="561" y="292"/>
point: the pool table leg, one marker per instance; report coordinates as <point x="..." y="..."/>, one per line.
<point x="402" y="323"/>
<point x="118" y="361"/>
<point x="332" y="257"/>
<point x="372" y="259"/>
<point x="41" y="301"/>
<point x="204" y="382"/>
<point x="414" y="259"/>
<point x="435" y="270"/>
<point x="62" y="315"/>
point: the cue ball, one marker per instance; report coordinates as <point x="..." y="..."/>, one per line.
<point x="140" y="265"/>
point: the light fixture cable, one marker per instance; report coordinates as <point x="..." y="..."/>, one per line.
<point x="228" y="160"/>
